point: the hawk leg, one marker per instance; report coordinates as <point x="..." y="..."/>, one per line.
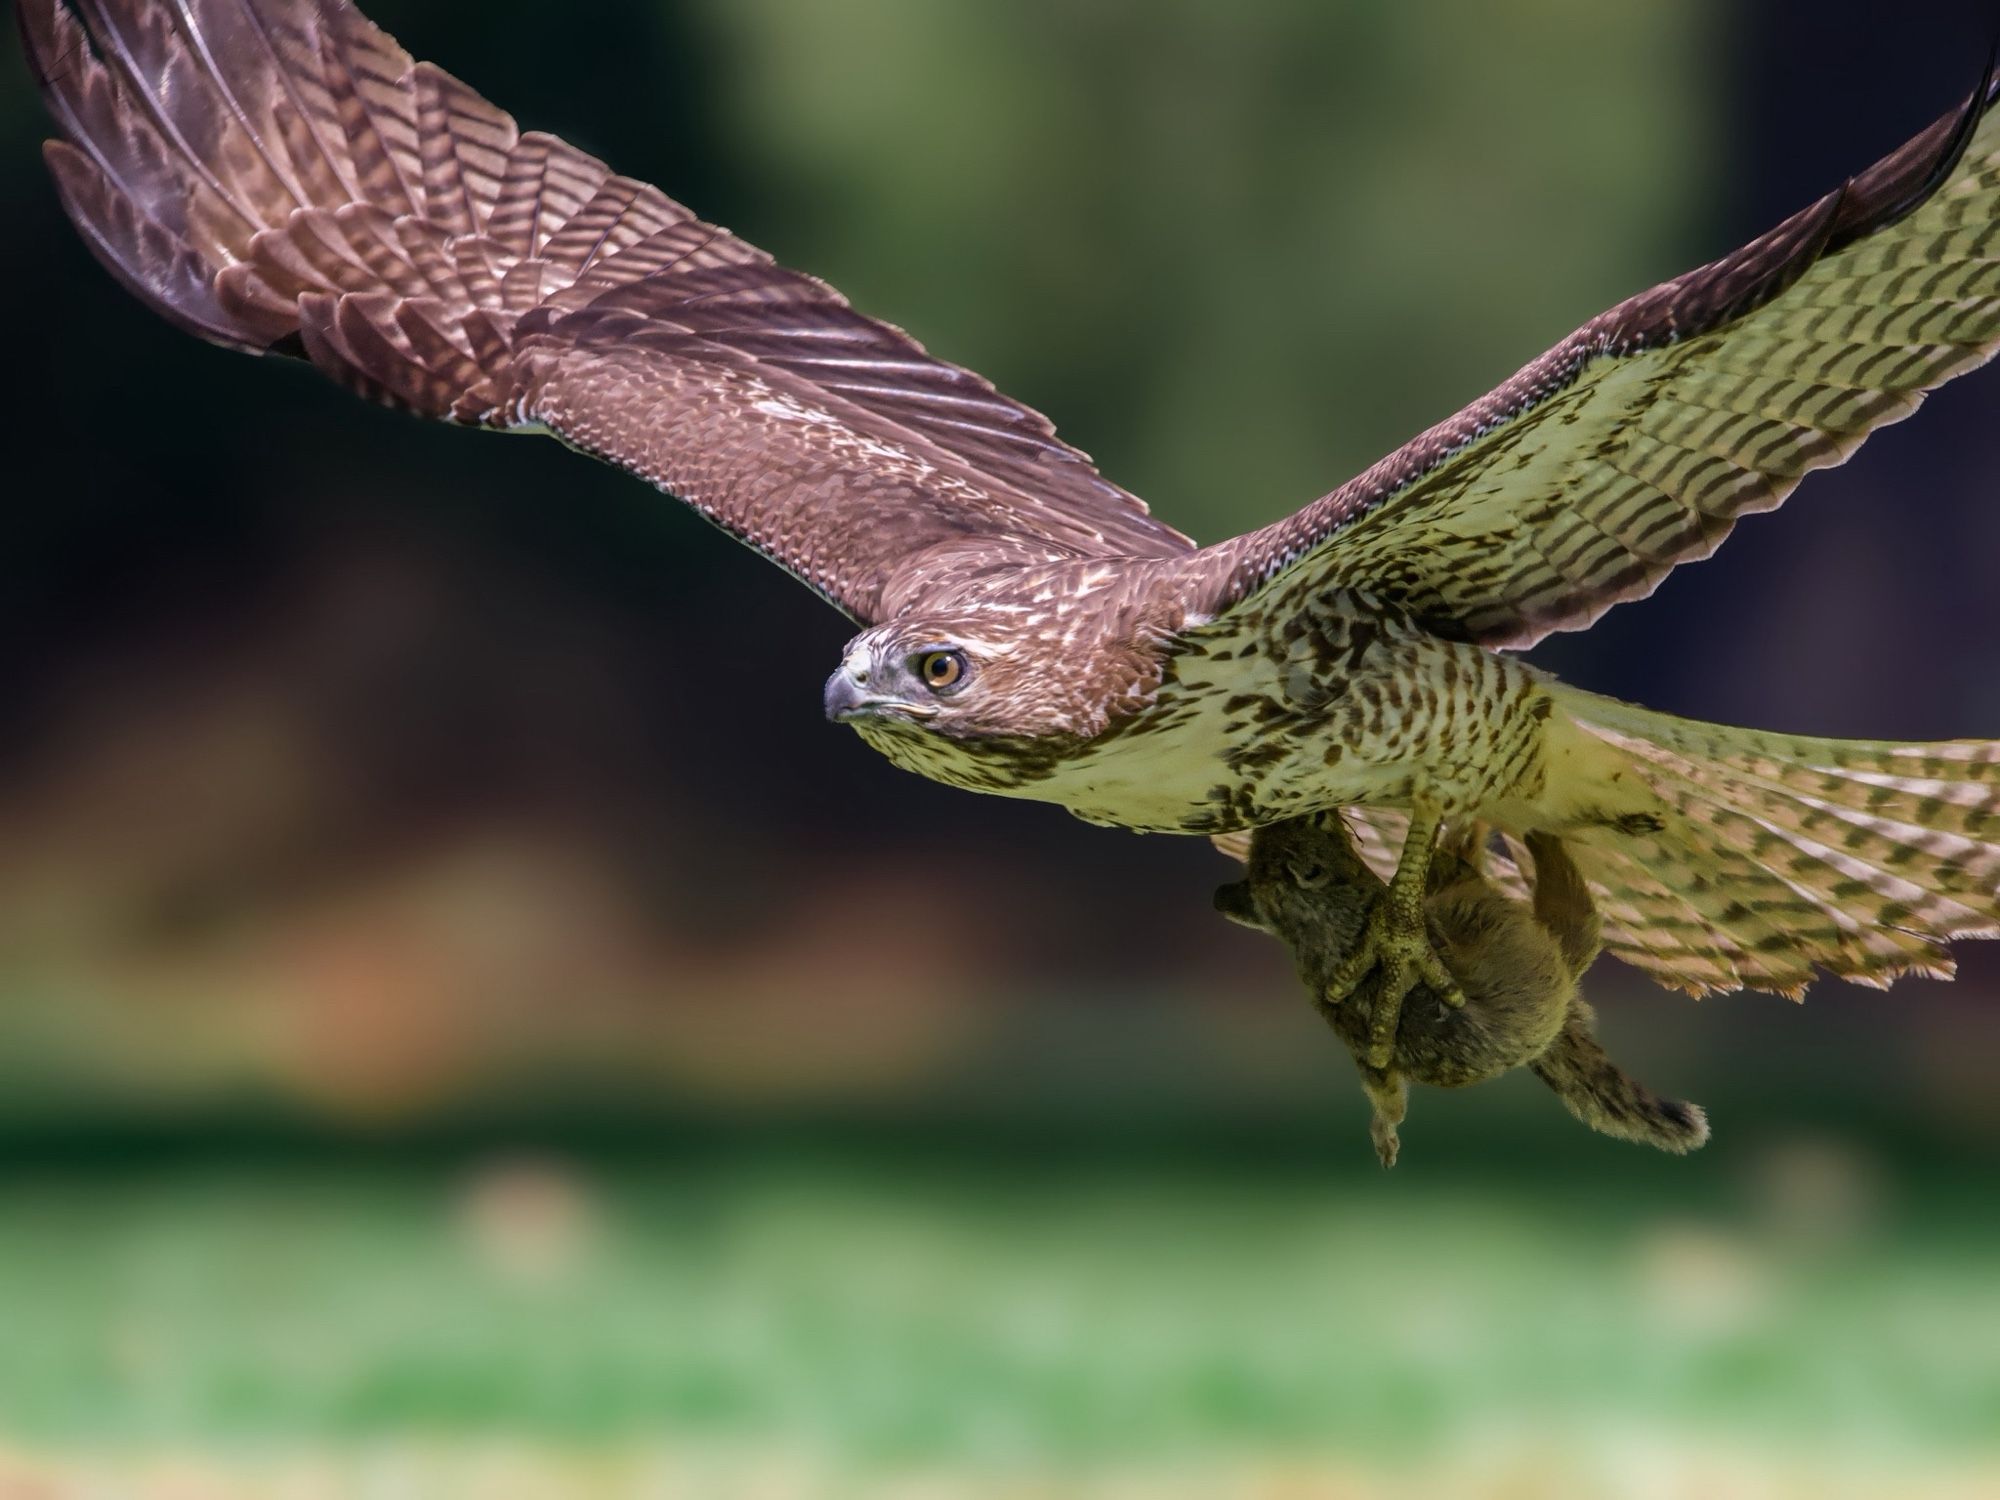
<point x="1398" y="941"/>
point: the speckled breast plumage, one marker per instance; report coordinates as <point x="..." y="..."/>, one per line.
<point x="1339" y="703"/>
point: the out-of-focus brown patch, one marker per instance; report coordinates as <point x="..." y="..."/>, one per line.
<point x="528" y="1219"/>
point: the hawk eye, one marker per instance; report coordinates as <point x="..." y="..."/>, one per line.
<point x="941" y="670"/>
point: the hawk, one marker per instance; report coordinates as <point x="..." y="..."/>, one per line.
<point x="279" y="177"/>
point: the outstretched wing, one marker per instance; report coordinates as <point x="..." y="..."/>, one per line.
<point x="278" y="176"/>
<point x="1636" y="442"/>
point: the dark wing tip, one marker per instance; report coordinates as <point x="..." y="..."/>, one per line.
<point x="1871" y="200"/>
<point x="151" y="262"/>
<point x="1903" y="181"/>
<point x="39" y="22"/>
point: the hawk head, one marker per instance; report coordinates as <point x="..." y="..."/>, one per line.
<point x="934" y="677"/>
<point x="994" y="697"/>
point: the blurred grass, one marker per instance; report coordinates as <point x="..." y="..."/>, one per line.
<point x="862" y="1316"/>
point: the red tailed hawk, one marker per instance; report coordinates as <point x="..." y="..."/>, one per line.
<point x="278" y="176"/>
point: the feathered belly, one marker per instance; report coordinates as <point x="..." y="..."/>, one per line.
<point x="1206" y="764"/>
<point x="1259" y="738"/>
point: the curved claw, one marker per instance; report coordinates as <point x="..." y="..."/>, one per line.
<point x="1361" y="960"/>
<point x="1430" y="970"/>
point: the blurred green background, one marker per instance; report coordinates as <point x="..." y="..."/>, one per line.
<point x="433" y="1059"/>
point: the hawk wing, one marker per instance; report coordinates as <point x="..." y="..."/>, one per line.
<point x="278" y="176"/>
<point x="1636" y="442"/>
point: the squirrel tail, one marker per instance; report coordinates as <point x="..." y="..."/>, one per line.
<point x="1609" y="1100"/>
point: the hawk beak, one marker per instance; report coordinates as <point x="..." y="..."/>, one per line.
<point x="847" y="700"/>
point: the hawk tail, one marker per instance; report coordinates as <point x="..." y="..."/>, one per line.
<point x="1782" y="853"/>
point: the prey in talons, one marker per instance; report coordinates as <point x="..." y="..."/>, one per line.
<point x="1512" y="970"/>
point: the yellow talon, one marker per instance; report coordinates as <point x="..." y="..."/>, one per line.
<point x="1397" y="941"/>
<point x="1402" y="951"/>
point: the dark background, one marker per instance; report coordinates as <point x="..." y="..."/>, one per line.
<point x="376" y="792"/>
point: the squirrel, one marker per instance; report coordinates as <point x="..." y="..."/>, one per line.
<point x="1518" y="963"/>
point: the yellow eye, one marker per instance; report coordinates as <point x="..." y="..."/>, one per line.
<point x="941" y="670"/>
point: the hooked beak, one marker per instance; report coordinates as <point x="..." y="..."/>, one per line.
<point x="847" y="700"/>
